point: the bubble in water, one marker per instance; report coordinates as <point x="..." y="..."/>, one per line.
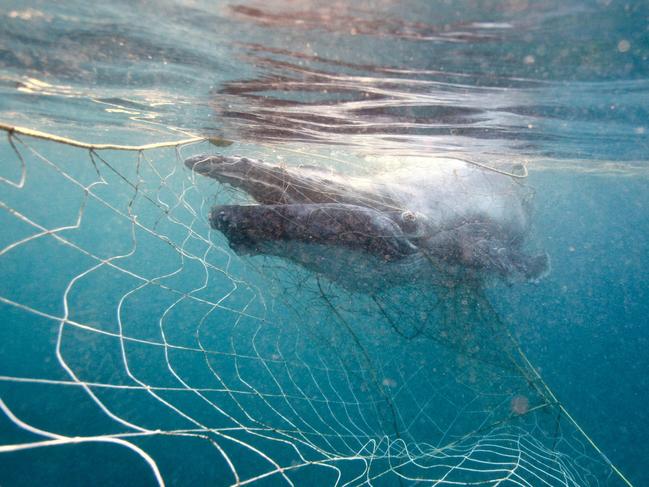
<point x="388" y="382"/>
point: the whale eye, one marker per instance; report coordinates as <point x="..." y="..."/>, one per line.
<point x="408" y="217"/>
<point x="408" y="221"/>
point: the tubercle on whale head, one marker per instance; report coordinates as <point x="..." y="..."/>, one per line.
<point x="241" y="229"/>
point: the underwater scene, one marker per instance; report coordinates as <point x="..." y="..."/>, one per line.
<point x="324" y="243"/>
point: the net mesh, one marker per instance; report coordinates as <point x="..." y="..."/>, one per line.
<point x="128" y="323"/>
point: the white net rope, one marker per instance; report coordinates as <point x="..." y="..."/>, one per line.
<point x="129" y="322"/>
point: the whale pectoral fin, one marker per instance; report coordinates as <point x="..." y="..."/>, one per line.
<point x="534" y="267"/>
<point x="250" y="228"/>
<point x="274" y="185"/>
<point x="265" y="183"/>
<point x="515" y="263"/>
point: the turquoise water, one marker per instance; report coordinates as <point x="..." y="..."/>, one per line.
<point x="139" y="348"/>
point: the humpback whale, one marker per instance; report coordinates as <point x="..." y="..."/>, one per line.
<point x="442" y="222"/>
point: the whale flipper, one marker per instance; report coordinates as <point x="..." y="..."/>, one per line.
<point x="275" y="185"/>
<point x="534" y="267"/>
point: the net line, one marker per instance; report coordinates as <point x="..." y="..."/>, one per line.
<point x="308" y="424"/>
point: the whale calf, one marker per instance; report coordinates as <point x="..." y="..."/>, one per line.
<point x="443" y="222"/>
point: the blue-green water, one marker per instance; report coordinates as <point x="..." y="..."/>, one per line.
<point x="134" y="341"/>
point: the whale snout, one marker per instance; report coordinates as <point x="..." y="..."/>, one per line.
<point x="192" y="161"/>
<point x="221" y="220"/>
<point x="238" y="225"/>
<point x="218" y="167"/>
<point x="202" y="163"/>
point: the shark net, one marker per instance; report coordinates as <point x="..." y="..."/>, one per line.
<point x="136" y="344"/>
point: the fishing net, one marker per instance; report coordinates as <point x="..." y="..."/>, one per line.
<point x="136" y="342"/>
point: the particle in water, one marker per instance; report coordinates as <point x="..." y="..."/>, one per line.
<point x="529" y="59"/>
<point x="623" y="45"/>
<point x="520" y="404"/>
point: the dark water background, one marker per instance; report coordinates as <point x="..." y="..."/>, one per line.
<point x="561" y="85"/>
